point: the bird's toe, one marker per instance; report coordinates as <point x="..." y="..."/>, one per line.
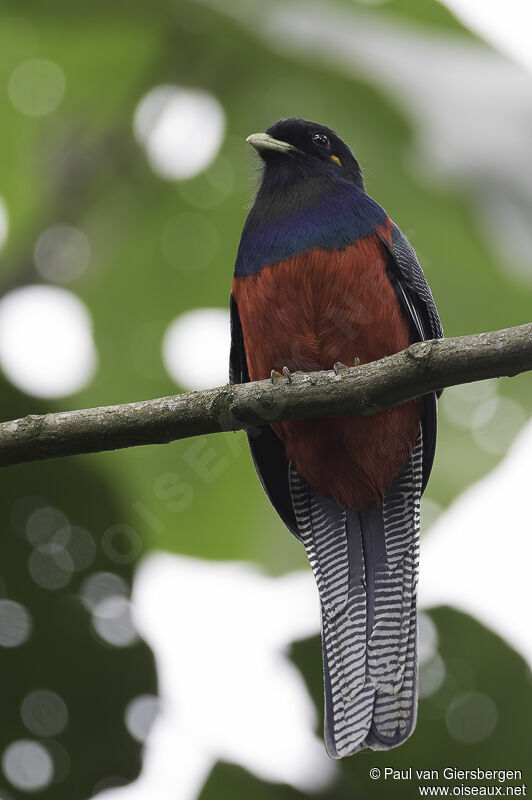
<point x="287" y="374"/>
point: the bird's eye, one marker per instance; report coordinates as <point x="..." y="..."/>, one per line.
<point x="320" y="140"/>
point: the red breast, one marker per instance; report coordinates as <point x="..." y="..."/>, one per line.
<point x="307" y="312"/>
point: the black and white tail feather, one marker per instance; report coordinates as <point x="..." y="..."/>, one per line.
<point x="366" y="567"/>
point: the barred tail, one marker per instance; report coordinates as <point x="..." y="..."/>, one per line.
<point x="366" y="565"/>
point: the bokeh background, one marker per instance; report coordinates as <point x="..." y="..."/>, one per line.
<point x="158" y="625"/>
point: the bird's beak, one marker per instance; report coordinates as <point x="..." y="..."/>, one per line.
<point x="262" y="141"/>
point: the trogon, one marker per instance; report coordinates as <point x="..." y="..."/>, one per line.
<point x="323" y="279"/>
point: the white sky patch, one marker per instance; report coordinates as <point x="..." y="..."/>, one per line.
<point x="504" y="23"/>
<point x="180" y="129"/>
<point x="196" y="348"/>
<point x="46" y="342"/>
<point x="220" y="633"/>
<point x="4" y="223"/>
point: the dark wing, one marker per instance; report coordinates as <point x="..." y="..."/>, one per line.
<point x="416" y="298"/>
<point x="412" y="279"/>
<point x="267" y="450"/>
<point x="238" y="366"/>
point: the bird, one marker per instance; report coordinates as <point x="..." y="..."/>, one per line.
<point x="325" y="280"/>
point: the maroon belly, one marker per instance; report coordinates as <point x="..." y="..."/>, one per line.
<point x="308" y="312"/>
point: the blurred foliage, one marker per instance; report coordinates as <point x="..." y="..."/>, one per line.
<point x="81" y="165"/>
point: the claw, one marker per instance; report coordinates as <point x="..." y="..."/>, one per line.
<point x="357" y="361"/>
<point x="274" y="375"/>
<point x="287" y="374"/>
<point x="338" y="366"/>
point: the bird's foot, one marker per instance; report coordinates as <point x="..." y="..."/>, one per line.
<point x="286" y="372"/>
<point x="338" y="366"/>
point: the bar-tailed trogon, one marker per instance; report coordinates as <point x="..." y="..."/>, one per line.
<point x="323" y="277"/>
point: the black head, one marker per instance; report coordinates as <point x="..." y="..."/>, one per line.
<point x="297" y="145"/>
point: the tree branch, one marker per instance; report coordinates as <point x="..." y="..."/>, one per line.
<point x="364" y="390"/>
